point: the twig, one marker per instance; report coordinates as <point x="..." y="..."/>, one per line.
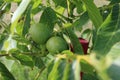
<point x="38" y="75"/>
<point x="64" y="17"/>
<point x="1" y="55"/>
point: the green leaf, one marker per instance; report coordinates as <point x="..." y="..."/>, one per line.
<point x="81" y="21"/>
<point x="59" y="10"/>
<point x="19" y="27"/>
<point x="57" y="70"/>
<point x="27" y="21"/>
<point x="93" y="12"/>
<point x="5" y="73"/>
<point x="38" y="62"/>
<point x="68" y="72"/>
<point x="37" y="6"/>
<point x="72" y="70"/>
<point x="64" y="69"/>
<point x="12" y="0"/>
<point x="2" y="38"/>
<point x="109" y="33"/>
<point x="87" y="76"/>
<point x="114" y="1"/>
<point x="62" y="3"/>
<point x="22" y="48"/>
<point x="114" y="70"/>
<point x="86" y="67"/>
<point x="17" y="14"/>
<point x="24" y="59"/>
<point x="48" y="18"/>
<point x="75" y="41"/>
<point x="36" y="3"/>
<point x="79" y="5"/>
<point x="114" y="51"/>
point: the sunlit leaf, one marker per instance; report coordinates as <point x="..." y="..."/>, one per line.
<point x="36" y="6"/>
<point x="36" y="3"/>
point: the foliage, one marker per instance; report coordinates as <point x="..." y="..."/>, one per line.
<point x="24" y="58"/>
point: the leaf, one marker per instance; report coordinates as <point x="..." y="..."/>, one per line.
<point x="66" y="67"/>
<point x="38" y="62"/>
<point x="5" y="73"/>
<point x="86" y="67"/>
<point x="79" y="5"/>
<point x="114" y="1"/>
<point x="114" y="70"/>
<point x="81" y="21"/>
<point x="19" y="27"/>
<point x="37" y="6"/>
<point x="75" y="41"/>
<point x="36" y="3"/>
<point x="114" y="51"/>
<point x="48" y="18"/>
<point x="109" y="33"/>
<point x="2" y="38"/>
<point x="17" y="14"/>
<point x="60" y="10"/>
<point x="12" y="0"/>
<point x="93" y="12"/>
<point x="24" y="59"/>
<point x="68" y="73"/>
<point x="76" y="69"/>
<point x="62" y="3"/>
<point x="57" y="70"/>
<point x="27" y="21"/>
<point x="87" y="76"/>
<point x="22" y="48"/>
<point x="9" y="43"/>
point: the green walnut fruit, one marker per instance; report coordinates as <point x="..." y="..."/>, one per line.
<point x="56" y="45"/>
<point x="40" y="33"/>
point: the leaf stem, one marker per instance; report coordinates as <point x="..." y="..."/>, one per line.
<point x="68" y="8"/>
<point x="39" y="73"/>
<point x="62" y="16"/>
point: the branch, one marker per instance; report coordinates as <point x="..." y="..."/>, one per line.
<point x="1" y="55"/>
